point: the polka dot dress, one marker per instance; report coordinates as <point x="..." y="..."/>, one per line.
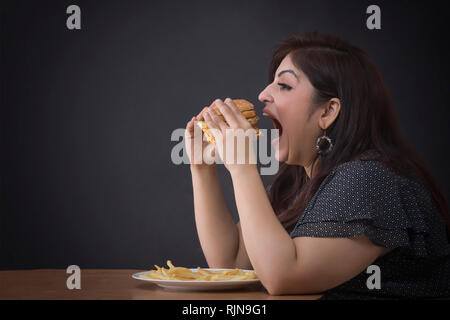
<point x="393" y="211"/>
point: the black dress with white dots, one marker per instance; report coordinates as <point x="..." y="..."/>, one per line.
<point x="393" y="211"/>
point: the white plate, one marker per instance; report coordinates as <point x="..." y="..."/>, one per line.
<point x="199" y="285"/>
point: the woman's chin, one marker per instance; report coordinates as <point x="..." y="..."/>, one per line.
<point x="281" y="156"/>
<point x="281" y="149"/>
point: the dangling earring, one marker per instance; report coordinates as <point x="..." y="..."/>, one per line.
<point x="324" y="144"/>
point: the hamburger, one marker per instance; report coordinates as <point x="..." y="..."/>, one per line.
<point x="247" y="110"/>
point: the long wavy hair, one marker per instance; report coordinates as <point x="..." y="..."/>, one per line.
<point x="366" y="121"/>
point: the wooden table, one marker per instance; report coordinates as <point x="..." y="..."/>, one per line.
<point x="112" y="284"/>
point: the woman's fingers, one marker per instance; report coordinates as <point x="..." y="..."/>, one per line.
<point x="191" y="123"/>
<point x="227" y="113"/>
<point x="237" y="113"/>
<point x="190" y="128"/>
<point x="200" y="115"/>
<point x="212" y="125"/>
<point x="215" y="120"/>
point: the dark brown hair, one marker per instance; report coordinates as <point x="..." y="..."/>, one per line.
<point x="366" y="121"/>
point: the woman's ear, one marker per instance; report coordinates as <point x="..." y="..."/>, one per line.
<point x="330" y="112"/>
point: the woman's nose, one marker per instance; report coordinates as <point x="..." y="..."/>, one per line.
<point x="264" y="96"/>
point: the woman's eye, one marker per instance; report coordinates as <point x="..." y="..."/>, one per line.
<point x="284" y="86"/>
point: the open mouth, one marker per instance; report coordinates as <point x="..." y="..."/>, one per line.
<point x="278" y="126"/>
<point x="276" y="123"/>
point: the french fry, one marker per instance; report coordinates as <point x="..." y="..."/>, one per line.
<point x="152" y="276"/>
<point x="230" y="272"/>
<point x="169" y="263"/>
<point x="203" y="271"/>
<point x="185" y="274"/>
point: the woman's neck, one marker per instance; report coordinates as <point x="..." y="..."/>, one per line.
<point x="314" y="166"/>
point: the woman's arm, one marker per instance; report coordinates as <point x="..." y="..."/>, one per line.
<point x="220" y="237"/>
<point x="242" y="261"/>
<point x="293" y="266"/>
<point x="325" y="263"/>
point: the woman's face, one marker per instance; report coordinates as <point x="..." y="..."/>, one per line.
<point x="288" y="101"/>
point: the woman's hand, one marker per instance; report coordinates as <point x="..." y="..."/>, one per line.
<point x="235" y="138"/>
<point x="200" y="146"/>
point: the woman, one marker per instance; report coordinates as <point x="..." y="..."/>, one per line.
<point x="349" y="194"/>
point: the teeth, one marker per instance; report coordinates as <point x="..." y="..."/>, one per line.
<point x="265" y="114"/>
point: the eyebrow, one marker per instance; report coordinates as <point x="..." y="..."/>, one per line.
<point x="287" y="71"/>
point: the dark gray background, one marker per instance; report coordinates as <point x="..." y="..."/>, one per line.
<point x="86" y="116"/>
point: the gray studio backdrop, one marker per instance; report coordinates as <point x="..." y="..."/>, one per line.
<point x="87" y="115"/>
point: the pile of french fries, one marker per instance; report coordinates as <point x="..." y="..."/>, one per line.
<point x="180" y="273"/>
